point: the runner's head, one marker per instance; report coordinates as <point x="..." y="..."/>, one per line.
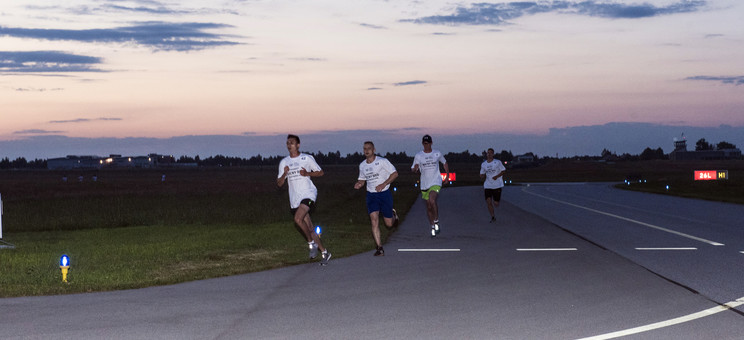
<point x="426" y="141"/>
<point x="369" y="149"/>
<point x="293" y="144"/>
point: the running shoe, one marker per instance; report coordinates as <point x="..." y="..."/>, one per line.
<point x="396" y="220"/>
<point x="313" y="250"/>
<point x="433" y="232"/>
<point x="380" y="252"/>
<point x="436" y="227"/>
<point x="326" y="256"/>
<point x="493" y="219"/>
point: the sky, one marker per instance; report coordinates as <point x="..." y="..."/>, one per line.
<point x="233" y="77"/>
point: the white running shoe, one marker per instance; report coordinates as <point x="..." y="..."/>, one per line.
<point x="326" y="256"/>
<point x="313" y="250"/>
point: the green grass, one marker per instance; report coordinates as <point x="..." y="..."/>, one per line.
<point x="129" y="230"/>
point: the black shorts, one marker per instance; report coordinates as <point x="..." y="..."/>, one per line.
<point x="494" y="194"/>
<point x="308" y="202"/>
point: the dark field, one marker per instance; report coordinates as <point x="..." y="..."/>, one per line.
<point x="129" y="229"/>
<point x="41" y="201"/>
<point x="655" y="176"/>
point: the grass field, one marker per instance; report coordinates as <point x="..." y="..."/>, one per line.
<point x="129" y="229"/>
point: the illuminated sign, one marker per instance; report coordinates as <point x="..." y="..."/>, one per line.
<point x="452" y="176"/>
<point x="711" y="175"/>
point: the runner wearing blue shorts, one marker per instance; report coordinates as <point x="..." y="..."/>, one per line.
<point x="378" y="173"/>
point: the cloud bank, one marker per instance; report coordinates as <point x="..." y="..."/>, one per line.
<point x="735" y="80"/>
<point x="502" y="13"/>
<point x="47" y="62"/>
<point x="619" y="138"/>
<point x="159" y="36"/>
<point x="83" y="120"/>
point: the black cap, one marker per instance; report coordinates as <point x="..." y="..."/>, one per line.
<point x="426" y="139"/>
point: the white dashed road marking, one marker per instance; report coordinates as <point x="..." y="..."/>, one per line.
<point x="669" y="248"/>
<point x="546" y="249"/>
<point x="412" y="250"/>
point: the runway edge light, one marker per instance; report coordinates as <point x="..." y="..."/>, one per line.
<point x="64" y="265"/>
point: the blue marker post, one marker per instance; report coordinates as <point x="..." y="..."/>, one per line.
<point x="64" y="264"/>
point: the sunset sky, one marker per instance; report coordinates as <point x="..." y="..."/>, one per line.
<point x="162" y="69"/>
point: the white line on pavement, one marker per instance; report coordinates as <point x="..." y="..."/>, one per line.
<point x="546" y="249"/>
<point x="628" y="219"/>
<point x="671" y="322"/>
<point x="669" y="248"/>
<point x="411" y="250"/>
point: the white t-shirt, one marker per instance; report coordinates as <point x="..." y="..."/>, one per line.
<point x="492" y="169"/>
<point x="300" y="187"/>
<point x="429" y="168"/>
<point x="376" y="172"/>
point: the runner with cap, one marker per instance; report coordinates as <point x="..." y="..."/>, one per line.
<point x="427" y="162"/>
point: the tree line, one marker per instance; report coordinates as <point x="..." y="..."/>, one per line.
<point x="333" y="158"/>
<point x="395" y="157"/>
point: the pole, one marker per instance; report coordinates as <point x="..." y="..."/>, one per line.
<point x="1" y="216"/>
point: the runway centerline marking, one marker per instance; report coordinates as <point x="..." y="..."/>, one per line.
<point x="669" y="248"/>
<point x="628" y="219"/>
<point x="671" y="322"/>
<point x="425" y="249"/>
<point x="547" y="249"/>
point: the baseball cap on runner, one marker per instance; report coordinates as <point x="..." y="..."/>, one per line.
<point x="426" y="139"/>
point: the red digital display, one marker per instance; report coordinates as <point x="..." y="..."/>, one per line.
<point x="452" y="176"/>
<point x="710" y="175"/>
<point x="705" y="175"/>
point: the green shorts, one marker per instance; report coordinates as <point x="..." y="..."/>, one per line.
<point x="425" y="193"/>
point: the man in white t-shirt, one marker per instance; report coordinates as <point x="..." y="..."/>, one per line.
<point x="427" y="163"/>
<point x="492" y="172"/>
<point x="298" y="168"/>
<point x="378" y="173"/>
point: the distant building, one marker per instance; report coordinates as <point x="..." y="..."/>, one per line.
<point x="112" y="161"/>
<point x="75" y="162"/>
<point x="680" y="153"/>
<point x="526" y="158"/>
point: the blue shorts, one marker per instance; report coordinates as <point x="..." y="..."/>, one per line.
<point x="380" y="201"/>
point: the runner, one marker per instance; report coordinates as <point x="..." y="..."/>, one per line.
<point x="298" y="168"/>
<point x="427" y="163"/>
<point x="378" y="172"/>
<point x="492" y="171"/>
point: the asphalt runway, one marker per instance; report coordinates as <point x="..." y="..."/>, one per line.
<point x="523" y="277"/>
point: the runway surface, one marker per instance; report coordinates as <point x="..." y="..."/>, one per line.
<point x="547" y="269"/>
